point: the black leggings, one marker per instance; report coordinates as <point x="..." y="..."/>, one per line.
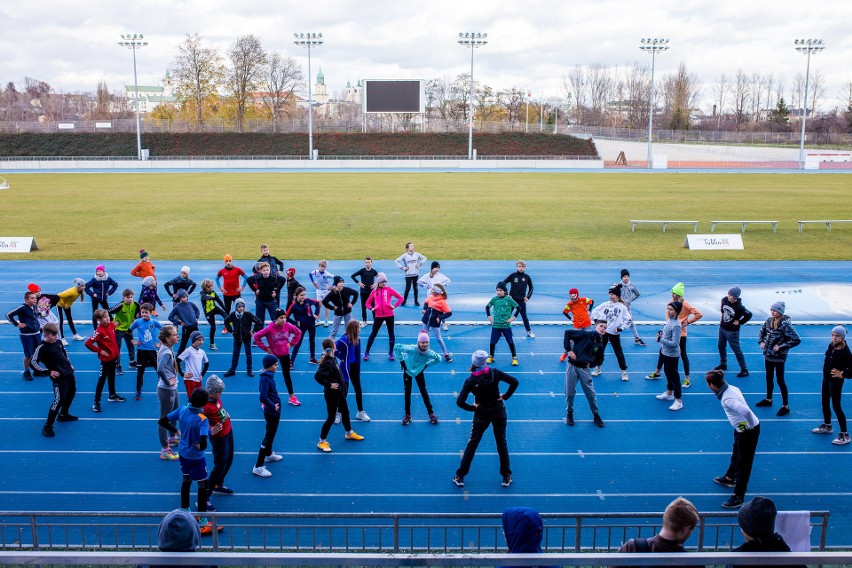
<point x="284" y="363"/>
<point x="185" y="488"/>
<point x="335" y="401"/>
<point x="377" y="324"/>
<point x="355" y="379"/>
<point x="410" y="282"/>
<point x="65" y="313"/>
<point x="672" y="377"/>
<point x="776" y="368"/>
<point x="421" y="384"/>
<point x="95" y="305"/>
<point x="365" y="294"/>
<point x="831" y="390"/>
<point x="272" y="421"/>
<point x="211" y="319"/>
<point x="306" y="331"/>
<point x="683" y="356"/>
<point x="616" y="347"/>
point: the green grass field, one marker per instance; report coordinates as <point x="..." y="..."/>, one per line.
<point x="571" y="216"/>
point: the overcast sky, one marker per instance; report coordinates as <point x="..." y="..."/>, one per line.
<point x="532" y="44"/>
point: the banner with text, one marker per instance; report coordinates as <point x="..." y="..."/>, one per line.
<point x="17" y="244"/>
<point x="713" y="242"/>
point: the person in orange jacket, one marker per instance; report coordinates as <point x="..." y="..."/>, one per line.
<point x="579" y="311"/>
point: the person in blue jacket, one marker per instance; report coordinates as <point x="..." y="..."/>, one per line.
<point x="99" y="289"/>
<point x="523" y="530"/>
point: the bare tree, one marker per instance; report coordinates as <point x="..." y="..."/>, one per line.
<point x="680" y="96"/>
<point x="741" y="98"/>
<point x="817" y="89"/>
<point x="720" y="94"/>
<point x="486" y="103"/>
<point x="11" y="98"/>
<point x="102" y="102"/>
<point x="248" y="63"/>
<point x="512" y="101"/>
<point x="756" y="95"/>
<point x="197" y="72"/>
<point x="438" y="96"/>
<point x="798" y="91"/>
<point x="600" y="85"/>
<point x="460" y="95"/>
<point x="282" y="77"/>
<point x="637" y="92"/>
<point x="575" y="84"/>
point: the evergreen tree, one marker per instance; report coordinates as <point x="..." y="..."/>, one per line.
<point x="780" y="114"/>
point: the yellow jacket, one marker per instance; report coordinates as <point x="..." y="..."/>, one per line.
<point x="68" y="297"/>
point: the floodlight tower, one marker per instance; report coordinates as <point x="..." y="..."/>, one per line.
<point x="652" y="46"/>
<point x="309" y="40"/>
<point x="473" y="41"/>
<point x="806" y="46"/>
<point x="134" y="42"/>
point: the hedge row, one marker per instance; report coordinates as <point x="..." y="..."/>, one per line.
<point x="261" y="144"/>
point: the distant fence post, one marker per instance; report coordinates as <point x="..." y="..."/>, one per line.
<point x="396" y="533"/>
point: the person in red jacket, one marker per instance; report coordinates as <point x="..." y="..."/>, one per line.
<point x="103" y="343"/>
<point x="232" y="286"/>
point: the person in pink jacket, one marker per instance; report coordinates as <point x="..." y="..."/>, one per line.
<point x="280" y="336"/>
<point x="382" y="305"/>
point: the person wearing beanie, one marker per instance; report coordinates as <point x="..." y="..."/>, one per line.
<point x="579" y="312"/>
<point x="184" y="316"/>
<point x="629" y="293"/>
<point x="221" y="436"/>
<point x="51" y="359"/>
<point x="192" y="363"/>
<point x="433" y="278"/>
<point x="366" y="285"/>
<point x="63" y="301"/>
<point x="757" y="525"/>
<point x="381" y="303"/>
<point x="180" y="282"/>
<point x="280" y="336"/>
<point x="488" y="410"/>
<point x="124" y="313"/>
<point x="414" y="359"/>
<point x="195" y="431"/>
<point x="617" y="318"/>
<point x="688" y="315"/>
<point x="669" y="340"/>
<point x="505" y="311"/>
<point x="323" y="281"/>
<point x="233" y="280"/>
<point x="276" y="265"/>
<point x="99" y="289"/>
<point x="149" y="294"/>
<point x="242" y="325"/>
<point x="584" y="350"/>
<point x="34" y="288"/>
<point x="521" y="290"/>
<point x="335" y="382"/>
<point x="270" y="403"/>
<point x="340" y="300"/>
<point x="746" y="434"/>
<point x="409" y="262"/>
<point x="776" y="338"/>
<point x="679" y="521"/>
<point x="734" y="316"/>
<point x="292" y="286"/>
<point x="836" y="367"/>
<point x="267" y="291"/>
<point x="145" y="267"/>
<point x="304" y="312"/>
<point x="436" y="311"/>
<point x="103" y="343"/>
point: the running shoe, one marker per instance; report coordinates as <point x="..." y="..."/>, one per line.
<point x="391" y="357"/>
<point x="841" y="440"/>
<point x="490" y="360"/>
<point x="261" y="472"/>
<point x="324" y="447"/>
<point x="458" y="481"/>
<point x="212" y="347"/>
<point x="47" y="431"/>
<point x="596" y="371"/>
<point x="337" y="418"/>
<point x="168" y="454"/>
<point x="362" y="416"/>
<point x="654" y="375"/>
<point x="514" y="361"/>
<point x="530" y="334"/>
<point x="116" y="398"/>
<point x="507" y="481"/>
<point x="223" y="490"/>
<point x="823" y="429"/>
<point x="639" y="341"/>
<point x="624" y="376"/>
<point x="676" y="405"/>
<point x="406" y="420"/>
<point x="764" y="402"/>
<point x="366" y="356"/>
<point x="734" y="502"/>
<point x="666" y="395"/>
<point x="433" y="419"/>
<point x="725" y="481"/>
<point x="783" y="411"/>
<point x="354" y="436"/>
<point x="742" y="373"/>
<point x="294" y="401"/>
<point x="96" y="406"/>
<point x="273" y="457"/>
<point x="78" y="337"/>
<point x="448" y="358"/>
<point x="686" y="384"/>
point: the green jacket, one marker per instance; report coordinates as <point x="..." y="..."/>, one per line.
<point x="503" y="308"/>
<point x="124" y="314"/>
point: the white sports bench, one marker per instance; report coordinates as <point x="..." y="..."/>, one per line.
<point x="744" y="223"/>
<point x="634" y="222"/>
<point x="828" y="223"/>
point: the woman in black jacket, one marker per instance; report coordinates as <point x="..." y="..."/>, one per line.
<point x="836" y="367"/>
<point x="334" y="390"/>
<point x="776" y="338"/>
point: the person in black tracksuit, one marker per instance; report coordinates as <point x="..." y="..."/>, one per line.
<point x="51" y="357"/>
<point x="241" y="324"/>
<point x="340" y="300"/>
<point x="304" y="313"/>
<point x="734" y="317"/>
<point x="488" y="409"/>
<point x="836" y="367"/>
<point x="521" y="290"/>
<point x="335" y="388"/>
<point x="365" y="285"/>
<point x="267" y="289"/>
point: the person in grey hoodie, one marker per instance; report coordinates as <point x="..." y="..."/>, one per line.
<point x="184" y="316"/>
<point x="629" y="292"/>
<point x="669" y="339"/>
<point x="776" y="338"/>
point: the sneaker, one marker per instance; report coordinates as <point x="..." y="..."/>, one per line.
<point x="78" y="337"/>
<point x="66" y="418"/>
<point x="569" y="419"/>
<point x="406" y="420"/>
<point x="362" y="325"/>
<point x="665" y="395"/>
<point x="734" y="502"/>
<point x="210" y="507"/>
<point x="530" y="334"/>
<point x="213" y="347"/>
<point x="416" y="303"/>
<point x="743" y="373"/>
<point x="64" y="342"/>
<point x="273" y="457"/>
<point x="27" y="376"/>
<point x="598" y="422"/>
<point x="229" y="373"/>
<point x="448" y="358"/>
<point x="596" y="372"/>
<point x="324" y="447"/>
<point x="841" y="440"/>
<point x="686" y="384"/>
<point x="222" y="490"/>
<point x="445" y="327"/>
<point x="362" y="416"/>
<point x="783" y="411"/>
<point x="313" y="361"/>
<point x="366" y="356"/>
<point x="676" y="405"/>
<point x="652" y="376"/>
<point x="563" y="357"/>
<point x="433" y="419"/>
<point x="138" y="396"/>
<point x="391" y="357"/>
<point x="292" y="365"/>
<point x="764" y="402"/>
<point x="96" y="406"/>
<point x="337" y="418"/>
<point x="169" y="454"/>
<point x="119" y="370"/>
<point x="490" y="360"/>
<point x="325" y="323"/>
<point x="507" y="481"/>
<point x="514" y="361"/>
<point x="624" y="376"/>
<point x="294" y="401"/>
<point x="726" y="481"/>
<point x="639" y="341"/>
<point x="249" y="373"/>
<point x="823" y="429"/>
<point x="207" y="529"/>
<point x="354" y="436"/>
<point x="261" y="471"/>
<point x="174" y="441"/>
<point x="47" y="431"/>
<point x="721" y="367"/>
<point x="133" y="363"/>
<point x="116" y="398"/>
<point x="458" y="481"/>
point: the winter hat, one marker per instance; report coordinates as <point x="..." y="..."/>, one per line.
<point x="573" y="291"/>
<point x="381" y="277"/>
<point x="148" y="280"/>
<point x="678" y="289"/>
<point x="625" y="272"/>
<point x="142" y="253"/>
<point x="178" y="532"/>
<point x="479" y="358"/>
<point x="735" y="292"/>
<point x="269" y="361"/>
<point x="337" y="280"/>
<point x="185" y="268"/>
<point x="677" y="306"/>
<point x="195" y="336"/>
<point x="215" y="385"/>
<point x="77" y="282"/>
<point x="199" y="398"/>
<point x="228" y="258"/>
<point x="100" y="267"/>
<point x="757" y="517"/>
<point x="439" y="288"/>
<point x="182" y="294"/>
<point x="278" y="313"/>
<point x="501" y="286"/>
<point x="435" y="264"/>
<point x="779" y="307"/>
<point x="422" y="336"/>
<point x="35" y="288"/>
<point x="239" y="302"/>
<point x="290" y="272"/>
<point x="839" y="330"/>
<point x="615" y="289"/>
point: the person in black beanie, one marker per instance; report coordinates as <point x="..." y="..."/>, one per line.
<point x="757" y="523"/>
<point x="734" y="316"/>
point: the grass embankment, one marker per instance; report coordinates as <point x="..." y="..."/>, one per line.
<point x="451" y="215"/>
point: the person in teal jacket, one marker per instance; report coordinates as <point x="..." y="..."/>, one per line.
<point x="414" y="359"/>
<point x="505" y="311"/>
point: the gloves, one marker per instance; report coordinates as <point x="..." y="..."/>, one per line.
<point x="742" y="426"/>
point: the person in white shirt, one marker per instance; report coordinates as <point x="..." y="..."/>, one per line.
<point x="409" y="262"/>
<point x="617" y="318"/>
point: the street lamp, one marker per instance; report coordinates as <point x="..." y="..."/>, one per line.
<point x="309" y="40"/>
<point x="471" y="40"/>
<point x="806" y="46"/>
<point x="652" y="46"/>
<point x="134" y="42"/>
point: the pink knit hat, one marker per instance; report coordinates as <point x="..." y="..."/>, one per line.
<point x="422" y="336"/>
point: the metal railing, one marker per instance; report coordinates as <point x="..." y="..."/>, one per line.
<point x="361" y="532"/>
<point x="305" y="158"/>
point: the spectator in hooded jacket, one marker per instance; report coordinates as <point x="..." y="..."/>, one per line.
<point x="679" y="521"/>
<point x="734" y="317"/>
<point x="776" y="338"/>
<point x="99" y="289"/>
<point x="523" y="530"/>
<point x="836" y="367"/>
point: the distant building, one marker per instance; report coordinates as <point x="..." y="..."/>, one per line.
<point x="320" y="94"/>
<point x="149" y="97"/>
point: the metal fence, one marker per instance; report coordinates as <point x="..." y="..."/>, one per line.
<point x="356" y="532"/>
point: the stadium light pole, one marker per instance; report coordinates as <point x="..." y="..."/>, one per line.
<point x="527" y="123"/>
<point x="652" y="46"/>
<point x="473" y="41"/>
<point x="806" y="46"/>
<point x="309" y="40"/>
<point x="134" y="42"/>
